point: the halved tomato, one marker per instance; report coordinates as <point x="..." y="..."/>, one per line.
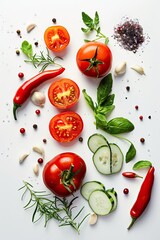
<point x="63" y="93"/>
<point x="56" y="38"/>
<point x="66" y="126"/>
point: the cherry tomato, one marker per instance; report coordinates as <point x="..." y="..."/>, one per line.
<point x="66" y="126"/>
<point x="63" y="174"/>
<point x="94" y="59"/>
<point x="63" y="93"/>
<point x="56" y="38"/>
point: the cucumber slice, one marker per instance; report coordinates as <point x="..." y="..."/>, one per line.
<point x="102" y="160"/>
<point x="88" y="187"/>
<point x="95" y="141"/>
<point x="100" y="202"/>
<point x="117" y="158"/>
<point x="113" y="194"/>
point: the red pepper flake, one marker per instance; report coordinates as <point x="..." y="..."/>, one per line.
<point x="21" y="75"/>
<point x="142" y="140"/>
<point x="125" y="190"/>
<point x="141" y="118"/>
<point x="136" y="107"/>
<point x="38" y="112"/>
<point x="22" y="130"/>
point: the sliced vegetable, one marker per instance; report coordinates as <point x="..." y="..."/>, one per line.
<point x="113" y="195"/>
<point x="142" y="164"/>
<point x="117" y="158"/>
<point x="88" y="187"/>
<point x="95" y="141"/>
<point x="101" y="202"/>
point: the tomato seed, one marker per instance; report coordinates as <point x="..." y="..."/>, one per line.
<point x="22" y="130"/>
<point x="125" y="190"/>
<point x="38" y="112"/>
<point x="20" y="75"/>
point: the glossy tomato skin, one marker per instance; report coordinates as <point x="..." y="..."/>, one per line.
<point x="66" y="126"/>
<point x="53" y="172"/>
<point x="87" y="52"/>
<point x="56" y="38"/>
<point x="63" y="93"/>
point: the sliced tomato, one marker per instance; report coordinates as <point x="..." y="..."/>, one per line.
<point x="63" y="93"/>
<point x="66" y="126"/>
<point x="56" y="38"/>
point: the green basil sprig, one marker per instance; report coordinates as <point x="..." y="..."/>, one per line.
<point x="103" y="107"/>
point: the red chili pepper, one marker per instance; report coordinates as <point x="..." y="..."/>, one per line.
<point x="143" y="197"/>
<point x="130" y="175"/>
<point x="26" y="88"/>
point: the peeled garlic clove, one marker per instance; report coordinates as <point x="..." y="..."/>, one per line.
<point x="39" y="150"/>
<point x="31" y="27"/>
<point x="38" y="98"/>
<point x="23" y="157"/>
<point x="138" y="69"/>
<point x="93" y="219"/>
<point x="36" y="169"/>
<point x="120" y="69"/>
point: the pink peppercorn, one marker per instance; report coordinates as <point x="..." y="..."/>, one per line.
<point x="21" y="75"/>
<point x="22" y="130"/>
<point x="136" y="107"/>
<point x="40" y="160"/>
<point x="125" y="190"/>
<point x="141" y="118"/>
<point x="38" y="112"/>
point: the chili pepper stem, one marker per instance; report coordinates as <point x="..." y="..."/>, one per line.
<point x="132" y="222"/>
<point x="138" y="176"/>
<point x="15" y="106"/>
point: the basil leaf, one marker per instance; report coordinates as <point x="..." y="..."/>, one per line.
<point x="85" y="30"/>
<point x="26" y="48"/>
<point x="119" y="125"/>
<point x="109" y="100"/>
<point x="96" y="18"/>
<point x="88" y="21"/>
<point x="88" y="99"/>
<point x="104" y="88"/>
<point x="105" y="110"/>
<point x="131" y="153"/>
<point x="142" y="164"/>
<point x="101" y="121"/>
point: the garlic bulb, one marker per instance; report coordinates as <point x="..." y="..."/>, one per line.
<point x="38" y="99"/>
<point x="120" y="69"/>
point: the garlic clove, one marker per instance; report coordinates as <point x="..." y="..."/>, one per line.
<point x="38" y="98"/>
<point x="23" y="157"/>
<point x="36" y="169"/>
<point x="39" y="150"/>
<point x="93" y="219"/>
<point x="138" y="69"/>
<point x="30" y="27"/>
<point x="120" y="69"/>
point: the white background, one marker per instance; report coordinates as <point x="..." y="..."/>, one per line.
<point x="15" y="222"/>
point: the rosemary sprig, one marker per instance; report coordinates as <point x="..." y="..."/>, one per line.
<point x="38" y="60"/>
<point x="51" y="207"/>
<point x="93" y="25"/>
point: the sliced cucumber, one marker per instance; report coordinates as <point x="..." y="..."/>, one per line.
<point x="100" y="202"/>
<point x="117" y="158"/>
<point x="113" y="194"/>
<point x="102" y="159"/>
<point x="88" y="187"/>
<point x="95" y="141"/>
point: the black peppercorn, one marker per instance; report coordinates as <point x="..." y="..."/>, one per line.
<point x="54" y="20"/>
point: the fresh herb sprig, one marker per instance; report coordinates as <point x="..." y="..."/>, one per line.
<point x="105" y="106"/>
<point x="51" y="207"/>
<point x="92" y="24"/>
<point x="38" y="60"/>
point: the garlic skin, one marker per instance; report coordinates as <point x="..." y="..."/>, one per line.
<point x="120" y="69"/>
<point x="38" y="98"/>
<point x="138" y="69"/>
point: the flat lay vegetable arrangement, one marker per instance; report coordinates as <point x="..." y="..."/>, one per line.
<point x="64" y="175"/>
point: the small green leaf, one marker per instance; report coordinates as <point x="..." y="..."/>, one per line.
<point x="96" y="18"/>
<point x="101" y="121"/>
<point x="142" y="164"/>
<point x="88" y="99"/>
<point x="88" y="21"/>
<point x="109" y="100"/>
<point x="106" y="41"/>
<point x="85" y="30"/>
<point x="106" y="109"/>
<point x="98" y="30"/>
<point x="104" y="88"/>
<point x="26" y="48"/>
<point x="86" y="40"/>
<point x="131" y="153"/>
<point x="119" y="125"/>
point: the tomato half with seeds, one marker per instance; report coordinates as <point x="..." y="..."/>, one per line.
<point x="63" y="93"/>
<point x="66" y="126"/>
<point x="94" y="59"/>
<point x="64" y="174"/>
<point x="56" y="38"/>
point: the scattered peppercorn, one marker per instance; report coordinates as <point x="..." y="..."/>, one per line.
<point x="129" y="34"/>
<point x="142" y="140"/>
<point x="136" y="107"/>
<point x="40" y="160"/>
<point x="45" y="140"/>
<point x="36" y="44"/>
<point x="81" y="139"/>
<point x="128" y="88"/>
<point x="38" y="112"/>
<point x="125" y="190"/>
<point x="141" y="117"/>
<point x="149" y="117"/>
<point x="17" y="52"/>
<point x="18" y="32"/>
<point x="21" y="75"/>
<point x="54" y="20"/>
<point x="35" y="126"/>
<point x="22" y="130"/>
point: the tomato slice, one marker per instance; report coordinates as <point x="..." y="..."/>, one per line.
<point x="66" y="126"/>
<point x="56" y="38"/>
<point x="63" y="93"/>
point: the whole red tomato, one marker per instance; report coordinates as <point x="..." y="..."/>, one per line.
<point x="94" y="59"/>
<point x="63" y="174"/>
